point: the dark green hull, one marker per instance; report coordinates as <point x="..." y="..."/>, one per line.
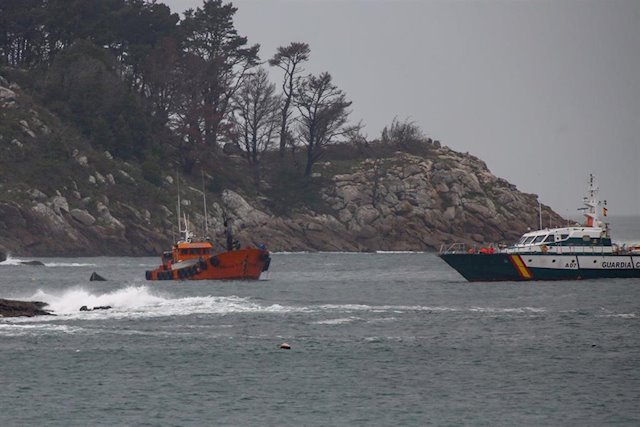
<point x="525" y="267"/>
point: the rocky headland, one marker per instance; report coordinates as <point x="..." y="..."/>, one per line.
<point x="60" y="196"/>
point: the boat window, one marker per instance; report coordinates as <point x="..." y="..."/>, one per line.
<point x="564" y="236"/>
<point x="538" y="239"/>
<point x="550" y="238"/>
<point x="184" y="251"/>
<point x="529" y="239"/>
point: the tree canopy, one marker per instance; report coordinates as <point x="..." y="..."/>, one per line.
<point x="136" y="78"/>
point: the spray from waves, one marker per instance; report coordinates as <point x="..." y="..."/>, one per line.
<point x="141" y="302"/>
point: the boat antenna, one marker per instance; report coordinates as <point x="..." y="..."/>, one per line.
<point x="591" y="204"/>
<point x="179" y="214"/>
<point x="540" y="213"/>
<point x="204" y="200"/>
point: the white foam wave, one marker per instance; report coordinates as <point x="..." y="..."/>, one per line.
<point x="405" y="308"/>
<point x="69" y="264"/>
<point x="338" y="321"/>
<point x="13" y="261"/>
<point x="141" y="301"/>
<point x="18" y="261"/>
<point x="620" y="315"/>
<point x="20" y="328"/>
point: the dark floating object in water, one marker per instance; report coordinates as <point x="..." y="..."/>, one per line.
<point x="285" y="346"/>
<point x="96" y="277"/>
<point x="100" y="307"/>
<point x="31" y="263"/>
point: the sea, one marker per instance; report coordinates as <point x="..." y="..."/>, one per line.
<point x="376" y="339"/>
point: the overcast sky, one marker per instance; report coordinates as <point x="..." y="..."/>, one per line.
<point x="545" y="92"/>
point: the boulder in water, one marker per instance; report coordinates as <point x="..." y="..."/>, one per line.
<point x="96" y="277"/>
<point x="13" y="308"/>
<point x="99" y="307"/>
<point x="32" y="263"/>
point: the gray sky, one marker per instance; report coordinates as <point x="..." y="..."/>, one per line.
<point x="545" y="92"/>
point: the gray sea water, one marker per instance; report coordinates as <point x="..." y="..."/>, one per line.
<point x="376" y="340"/>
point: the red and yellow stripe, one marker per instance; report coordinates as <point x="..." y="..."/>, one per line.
<point x="522" y="269"/>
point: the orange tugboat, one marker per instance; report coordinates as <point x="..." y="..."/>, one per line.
<point x="195" y="259"/>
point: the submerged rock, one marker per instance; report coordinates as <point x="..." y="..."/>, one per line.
<point x="13" y="308"/>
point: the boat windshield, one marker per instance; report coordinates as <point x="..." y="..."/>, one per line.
<point x="550" y="238"/>
<point x="539" y="239"/>
<point x="528" y="240"/>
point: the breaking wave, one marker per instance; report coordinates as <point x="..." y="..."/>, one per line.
<point x="140" y="301"/>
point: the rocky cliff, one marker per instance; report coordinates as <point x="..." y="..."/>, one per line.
<point x="403" y="202"/>
<point x="61" y="196"/>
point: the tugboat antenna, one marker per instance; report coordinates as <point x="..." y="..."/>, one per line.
<point x="204" y="198"/>
<point x="179" y="219"/>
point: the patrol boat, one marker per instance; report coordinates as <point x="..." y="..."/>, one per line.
<point x="569" y="253"/>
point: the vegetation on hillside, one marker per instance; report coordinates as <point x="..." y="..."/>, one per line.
<point x="168" y="93"/>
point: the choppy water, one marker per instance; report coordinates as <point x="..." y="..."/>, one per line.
<point x="376" y="339"/>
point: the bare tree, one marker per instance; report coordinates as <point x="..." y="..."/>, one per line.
<point x="323" y="115"/>
<point x="289" y="58"/>
<point x="255" y="118"/>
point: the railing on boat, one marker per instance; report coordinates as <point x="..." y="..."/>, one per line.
<point x="463" y="248"/>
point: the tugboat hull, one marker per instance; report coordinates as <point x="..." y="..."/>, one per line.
<point x="242" y="264"/>
<point x="524" y="267"/>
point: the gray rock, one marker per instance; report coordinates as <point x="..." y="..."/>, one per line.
<point x="13" y="308"/>
<point x="105" y="216"/>
<point x="8" y="97"/>
<point x="37" y="194"/>
<point x="60" y="205"/>
<point x="83" y="217"/>
<point x="34" y="263"/>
